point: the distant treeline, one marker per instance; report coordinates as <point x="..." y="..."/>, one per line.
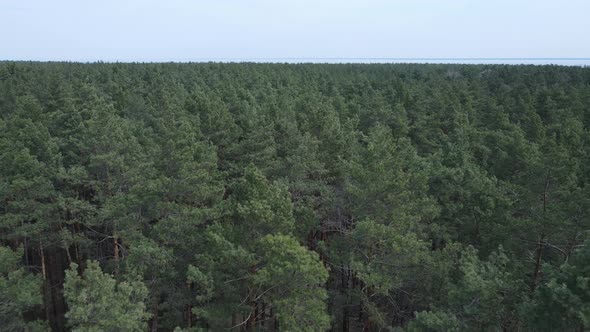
<point x="284" y="197"/>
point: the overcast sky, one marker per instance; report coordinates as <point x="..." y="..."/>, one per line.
<point x="183" y="30"/>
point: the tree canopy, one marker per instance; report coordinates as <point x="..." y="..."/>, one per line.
<point x="294" y="197"/>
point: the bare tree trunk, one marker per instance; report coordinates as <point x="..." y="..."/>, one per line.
<point x="68" y="255"/>
<point x="78" y="257"/>
<point x="66" y="248"/>
<point x="367" y="321"/>
<point x="116" y="252"/>
<point x="154" y="323"/>
<point x="54" y="265"/>
<point x="263" y="314"/>
<point x="46" y="296"/>
<point x="251" y="317"/>
<point x="345" y="308"/>
<point x="43" y="270"/>
<point x="187" y="315"/>
<point x="538" y="257"/>
<point x="256" y="312"/>
<point x="361" y="308"/>
<point x="26" y="251"/>
<point x="189" y="309"/>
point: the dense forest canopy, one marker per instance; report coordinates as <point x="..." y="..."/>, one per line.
<point x="294" y="197"/>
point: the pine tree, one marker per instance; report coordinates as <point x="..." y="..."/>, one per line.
<point x="98" y="302"/>
<point x="563" y="302"/>
<point x="20" y="293"/>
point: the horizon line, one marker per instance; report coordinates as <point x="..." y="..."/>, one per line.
<point x="362" y="58"/>
<point x="580" y="61"/>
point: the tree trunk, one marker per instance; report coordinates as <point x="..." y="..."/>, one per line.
<point x="46" y="296"/>
<point x="43" y="270"/>
<point x="345" y="307"/>
<point x="367" y="319"/>
<point x="537" y="269"/>
<point x="251" y="317"/>
<point x="154" y="321"/>
<point x="189" y="308"/>
<point x="263" y="314"/>
<point x="116" y="254"/>
<point x="54" y="266"/>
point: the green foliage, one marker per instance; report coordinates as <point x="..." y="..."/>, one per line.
<point x="387" y="181"/>
<point x="97" y="302"/>
<point x="379" y="250"/>
<point x="563" y="302"/>
<point x="479" y="295"/>
<point x="434" y="321"/>
<point x="258" y="207"/>
<point x="385" y="261"/>
<point x="292" y="278"/>
<point x="294" y="197"/>
<point x="20" y="292"/>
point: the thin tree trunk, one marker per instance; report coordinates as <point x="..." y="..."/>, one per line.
<point x="187" y="315"/>
<point x="189" y="309"/>
<point x="55" y="268"/>
<point x="26" y="249"/>
<point x="68" y="255"/>
<point x="368" y="294"/>
<point x="256" y="312"/>
<point x="116" y="251"/>
<point x="77" y="251"/>
<point x="263" y="314"/>
<point x="154" y="325"/>
<point x="538" y="256"/>
<point x="46" y="297"/>
<point x="361" y="308"/>
<point x="345" y="308"/>
<point x="66" y="248"/>
<point x="43" y="269"/>
<point x="367" y="322"/>
<point x="251" y="317"/>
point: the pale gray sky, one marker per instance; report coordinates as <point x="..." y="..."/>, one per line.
<point x="181" y="30"/>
